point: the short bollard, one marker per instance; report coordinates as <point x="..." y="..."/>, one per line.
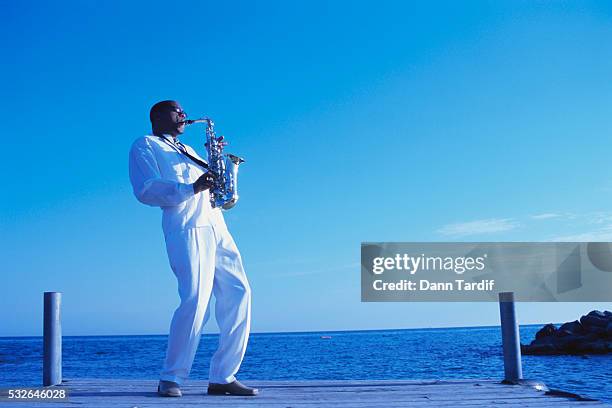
<point x="52" y="339"/>
<point x="513" y="370"/>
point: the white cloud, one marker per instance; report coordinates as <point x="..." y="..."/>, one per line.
<point x="486" y="226"/>
<point x="545" y="216"/>
<point x="595" y="226"/>
<point x="599" y="218"/>
<point x="603" y="234"/>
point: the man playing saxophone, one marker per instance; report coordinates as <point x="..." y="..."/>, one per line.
<point x="203" y="256"/>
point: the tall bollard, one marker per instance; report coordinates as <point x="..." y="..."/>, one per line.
<point x="513" y="369"/>
<point x="52" y="340"/>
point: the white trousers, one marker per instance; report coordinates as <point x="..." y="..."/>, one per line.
<point x="206" y="260"/>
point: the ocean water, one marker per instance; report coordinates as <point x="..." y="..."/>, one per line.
<point x="381" y="354"/>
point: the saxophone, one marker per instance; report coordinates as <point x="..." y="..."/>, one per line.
<point x="223" y="167"/>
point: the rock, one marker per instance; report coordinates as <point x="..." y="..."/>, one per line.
<point x="563" y="333"/>
<point x="598" y="331"/>
<point x="597" y="313"/>
<point x="568" y="344"/>
<point x="591" y="335"/>
<point x="542" y="341"/>
<point x="590" y="321"/>
<point x="546" y="331"/>
<point x="595" y="347"/>
<point x="539" y="349"/>
<point x="573" y="327"/>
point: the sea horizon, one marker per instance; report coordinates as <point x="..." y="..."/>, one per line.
<point x="297" y="331"/>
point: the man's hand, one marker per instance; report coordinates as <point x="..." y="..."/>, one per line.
<point x="205" y="182"/>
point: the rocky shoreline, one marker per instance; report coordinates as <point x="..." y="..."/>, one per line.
<point x="592" y="334"/>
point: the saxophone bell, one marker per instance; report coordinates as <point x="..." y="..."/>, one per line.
<point x="231" y="169"/>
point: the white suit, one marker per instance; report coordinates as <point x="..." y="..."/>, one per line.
<point x="202" y="255"/>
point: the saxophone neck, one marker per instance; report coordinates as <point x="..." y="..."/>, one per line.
<point x="209" y="122"/>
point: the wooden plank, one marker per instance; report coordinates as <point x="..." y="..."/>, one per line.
<point x="240" y="404"/>
<point x="202" y="402"/>
<point x="339" y="394"/>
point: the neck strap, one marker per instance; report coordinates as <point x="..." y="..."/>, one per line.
<point x="186" y="153"/>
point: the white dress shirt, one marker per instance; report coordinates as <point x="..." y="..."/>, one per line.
<point x="162" y="176"/>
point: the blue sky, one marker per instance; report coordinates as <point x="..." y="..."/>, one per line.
<point x="360" y="121"/>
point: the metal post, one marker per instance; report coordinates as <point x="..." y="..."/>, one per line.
<point x="511" y="342"/>
<point x="52" y="340"/>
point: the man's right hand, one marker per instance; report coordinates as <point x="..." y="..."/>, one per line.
<point x="205" y="182"/>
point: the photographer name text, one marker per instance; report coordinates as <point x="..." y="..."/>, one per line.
<point x="425" y="285"/>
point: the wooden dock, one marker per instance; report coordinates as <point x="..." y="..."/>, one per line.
<point x="291" y="394"/>
<point x="336" y="394"/>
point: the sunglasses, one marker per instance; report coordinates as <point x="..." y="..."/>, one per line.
<point x="179" y="111"/>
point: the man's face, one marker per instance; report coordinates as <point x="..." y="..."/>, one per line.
<point x="171" y="119"/>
